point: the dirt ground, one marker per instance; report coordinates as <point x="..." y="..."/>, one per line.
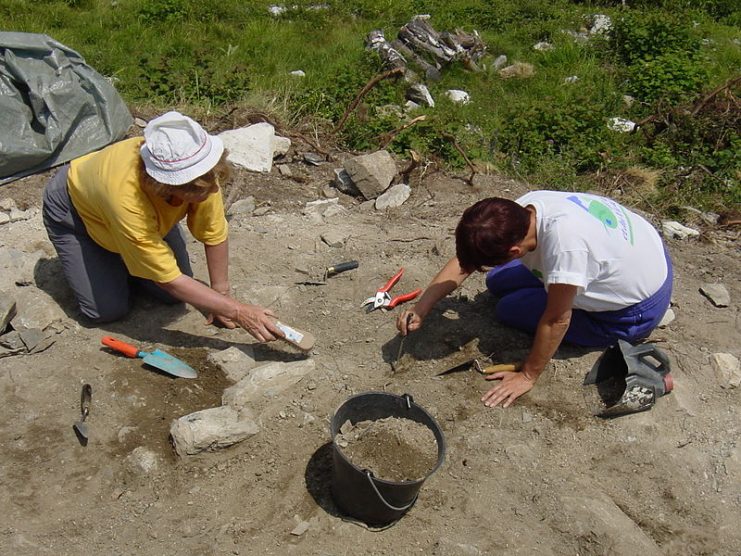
<point x="541" y="477"/>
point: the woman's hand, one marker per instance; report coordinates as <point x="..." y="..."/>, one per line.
<point x="512" y="386"/>
<point x="409" y="320"/>
<point x="259" y="322"/>
<point x="220" y="320"/>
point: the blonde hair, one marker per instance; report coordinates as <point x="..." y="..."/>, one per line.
<point x="210" y="181"/>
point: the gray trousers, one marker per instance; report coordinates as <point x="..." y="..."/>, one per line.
<point x="98" y="277"/>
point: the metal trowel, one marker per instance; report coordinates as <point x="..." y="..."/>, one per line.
<point x="80" y="427"/>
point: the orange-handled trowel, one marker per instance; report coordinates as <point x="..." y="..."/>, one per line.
<point x="157" y="358"/>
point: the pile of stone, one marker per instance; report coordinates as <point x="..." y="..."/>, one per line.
<point x="24" y="340"/>
<point x="420" y="47"/>
<point x="249" y="399"/>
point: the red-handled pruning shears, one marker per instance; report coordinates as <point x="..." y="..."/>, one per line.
<point x="383" y="300"/>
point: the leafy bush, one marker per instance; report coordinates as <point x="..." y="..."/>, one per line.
<point x="671" y="78"/>
<point x="638" y="36"/>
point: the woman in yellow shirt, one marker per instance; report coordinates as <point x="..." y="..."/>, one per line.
<point x="113" y="216"/>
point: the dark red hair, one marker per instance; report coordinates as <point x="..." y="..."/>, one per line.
<point x="487" y="231"/>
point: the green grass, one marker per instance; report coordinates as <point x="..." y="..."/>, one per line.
<point x="207" y="56"/>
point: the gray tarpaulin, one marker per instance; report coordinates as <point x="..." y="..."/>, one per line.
<point x="53" y="106"/>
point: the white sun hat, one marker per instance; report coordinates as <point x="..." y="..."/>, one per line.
<point x="177" y="149"/>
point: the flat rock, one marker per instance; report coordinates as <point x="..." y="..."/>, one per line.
<point x="266" y="381"/>
<point x="142" y="460"/>
<point x="251" y="147"/>
<point x="241" y="207"/>
<point x="394" y="197"/>
<point x="371" y="173"/>
<point x="36" y="309"/>
<point x="235" y="362"/>
<point x="7" y="310"/>
<point x="727" y="368"/>
<point x="717" y="294"/>
<point x="335" y="238"/>
<point x="212" y="429"/>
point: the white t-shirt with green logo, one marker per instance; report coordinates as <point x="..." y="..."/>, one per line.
<point x="613" y="256"/>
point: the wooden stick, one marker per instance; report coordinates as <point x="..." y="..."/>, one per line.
<point x="386" y="138"/>
<point x="470" y="164"/>
<point x="364" y="91"/>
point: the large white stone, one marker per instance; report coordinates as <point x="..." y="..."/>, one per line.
<point x="266" y="381"/>
<point x="212" y="429"/>
<point x="251" y="147"/>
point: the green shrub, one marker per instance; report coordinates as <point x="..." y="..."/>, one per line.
<point x="640" y="36"/>
<point x="671" y="78"/>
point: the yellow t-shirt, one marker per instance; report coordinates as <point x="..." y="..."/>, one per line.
<point x="121" y="217"/>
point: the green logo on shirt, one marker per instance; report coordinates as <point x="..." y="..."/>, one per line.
<point x="606" y="216"/>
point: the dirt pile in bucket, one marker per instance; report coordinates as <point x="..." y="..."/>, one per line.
<point x="393" y="449"/>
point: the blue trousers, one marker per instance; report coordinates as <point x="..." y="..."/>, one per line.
<point x="522" y="301"/>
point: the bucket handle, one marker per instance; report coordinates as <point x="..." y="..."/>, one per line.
<point x="382" y="499"/>
<point x="649" y="350"/>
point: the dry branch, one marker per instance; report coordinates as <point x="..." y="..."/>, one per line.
<point x="458" y="148"/>
<point x="386" y="138"/>
<point x="364" y="91"/>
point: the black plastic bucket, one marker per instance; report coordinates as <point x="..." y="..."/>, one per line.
<point x="356" y="491"/>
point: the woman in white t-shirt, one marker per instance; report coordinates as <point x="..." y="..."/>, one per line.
<point x="565" y="266"/>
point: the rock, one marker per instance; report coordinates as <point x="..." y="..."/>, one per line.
<point x="628" y="101"/>
<point x="250" y="147"/>
<point x="571" y="79"/>
<point x="458" y="96"/>
<point x="300" y="529"/>
<point x="727" y="368"/>
<point x="7" y="310"/>
<point x="319" y="206"/>
<point x="12" y="341"/>
<point x="717" y="294"/>
<point x="31" y="338"/>
<point x="234" y="362"/>
<point x="7" y="204"/>
<point x="521" y="70"/>
<point x="261" y="211"/>
<point x="36" y="309"/>
<point x="394" y="197"/>
<point x="266" y="381"/>
<point x="335" y="238"/>
<point x="420" y="94"/>
<point x="668" y="318"/>
<point x="19" y="215"/>
<point x="675" y="230"/>
<point x="371" y="173"/>
<point x="297" y="73"/>
<point x="543" y="46"/>
<point x="314" y="159"/>
<point x="241" y="207"/>
<point x="142" y="460"/>
<point x="212" y="429"/>
<point x="500" y="61"/>
<point x="343" y="182"/>
<point x="285" y="170"/>
<point x="410" y="106"/>
<point x="139" y="122"/>
<point x="281" y="146"/>
<point x="4" y="218"/>
<point x="621" y="125"/>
